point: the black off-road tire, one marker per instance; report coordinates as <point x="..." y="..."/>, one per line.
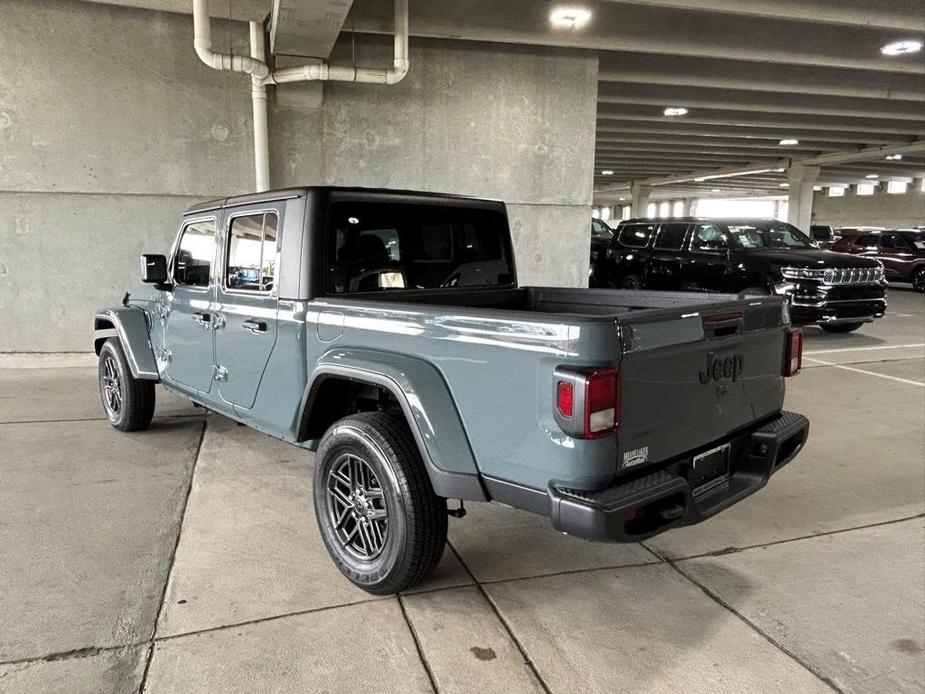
<point x="135" y="406"/>
<point x="416" y="518"/>
<point x="841" y="327"/>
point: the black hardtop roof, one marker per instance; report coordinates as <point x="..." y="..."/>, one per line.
<point x="285" y="193"/>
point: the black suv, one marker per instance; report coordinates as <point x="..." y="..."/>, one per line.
<point x="749" y="257"/>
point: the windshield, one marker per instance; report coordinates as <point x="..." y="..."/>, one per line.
<point x="768" y="234"/>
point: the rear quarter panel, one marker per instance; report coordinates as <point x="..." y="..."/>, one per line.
<point x="498" y="367"/>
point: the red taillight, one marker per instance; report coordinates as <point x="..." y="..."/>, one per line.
<point x="793" y="359"/>
<point x="587" y="403"/>
<point x="565" y="398"/>
<point x="602" y="402"/>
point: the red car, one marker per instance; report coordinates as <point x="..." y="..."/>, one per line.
<point x="902" y="252"/>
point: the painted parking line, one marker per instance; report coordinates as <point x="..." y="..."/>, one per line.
<point x="863" y="349"/>
<point x="908" y="381"/>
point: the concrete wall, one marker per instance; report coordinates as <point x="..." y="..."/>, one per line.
<point x="881" y="209"/>
<point x="110" y="127"/>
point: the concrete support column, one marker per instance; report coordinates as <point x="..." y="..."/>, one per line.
<point x="800" y="202"/>
<point x="916" y="185"/>
<point x="687" y="207"/>
<point x="640" y="195"/>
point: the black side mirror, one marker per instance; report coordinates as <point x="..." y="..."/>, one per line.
<point x="153" y="269"/>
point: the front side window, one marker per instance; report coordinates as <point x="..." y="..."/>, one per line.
<point x="599" y="230"/>
<point x="636" y="235"/>
<point x="867" y="241"/>
<point x="708" y="237"/>
<point x="193" y="262"/>
<point x="377" y="246"/>
<point x="671" y="237"/>
<point x="768" y="234"/>
<point x="251" y="264"/>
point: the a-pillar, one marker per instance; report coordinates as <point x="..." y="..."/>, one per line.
<point x="640" y="195"/>
<point x="800" y="199"/>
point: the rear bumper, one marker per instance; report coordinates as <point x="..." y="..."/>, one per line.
<point x="646" y="506"/>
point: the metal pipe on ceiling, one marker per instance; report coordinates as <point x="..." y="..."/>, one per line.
<point x="256" y="66"/>
<point x="352" y="73"/>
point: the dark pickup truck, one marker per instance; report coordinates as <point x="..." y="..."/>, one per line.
<point x="750" y="257"/>
<point x="386" y="332"/>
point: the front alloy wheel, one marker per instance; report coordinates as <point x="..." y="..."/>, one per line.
<point x="111" y="387"/>
<point x="631" y="282"/>
<point x="127" y="401"/>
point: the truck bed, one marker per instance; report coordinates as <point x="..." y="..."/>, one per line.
<point x="588" y="302"/>
<point x="498" y="348"/>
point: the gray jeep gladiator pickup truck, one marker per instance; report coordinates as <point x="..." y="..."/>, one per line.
<point x="386" y="332"/>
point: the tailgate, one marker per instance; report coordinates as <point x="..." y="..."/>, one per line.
<point x="690" y="377"/>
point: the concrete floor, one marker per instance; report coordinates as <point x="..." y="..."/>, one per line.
<point x="185" y="559"/>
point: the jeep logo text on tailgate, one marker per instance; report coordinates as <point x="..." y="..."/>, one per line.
<point x="720" y="369"/>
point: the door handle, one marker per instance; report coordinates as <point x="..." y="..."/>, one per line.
<point x="203" y="319"/>
<point x="255" y="326"/>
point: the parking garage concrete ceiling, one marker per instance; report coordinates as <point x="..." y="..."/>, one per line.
<point x="764" y="83"/>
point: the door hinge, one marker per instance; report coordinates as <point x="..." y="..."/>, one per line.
<point x="221" y="373"/>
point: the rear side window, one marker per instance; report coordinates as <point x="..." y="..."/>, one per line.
<point x="895" y="242"/>
<point x="251" y="264"/>
<point x="867" y="241"/>
<point x="671" y="237"/>
<point x="192" y="264"/>
<point x="636" y="235"/>
<point x="388" y="246"/>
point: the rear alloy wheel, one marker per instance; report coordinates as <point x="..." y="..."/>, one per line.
<point x="377" y="512"/>
<point x="631" y="282"/>
<point x="918" y="280"/>
<point x="127" y="401"/>
<point x="841" y="327"/>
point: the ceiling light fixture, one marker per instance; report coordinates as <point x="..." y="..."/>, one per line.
<point x="783" y="185"/>
<point x="607" y="172"/>
<point x="894" y="157"/>
<point x="675" y="111"/>
<point x="716" y="190"/>
<point x="872" y="176"/>
<point x="569" y="17"/>
<point x="788" y="141"/>
<point x="902" y="47"/>
<point x="701" y="179"/>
